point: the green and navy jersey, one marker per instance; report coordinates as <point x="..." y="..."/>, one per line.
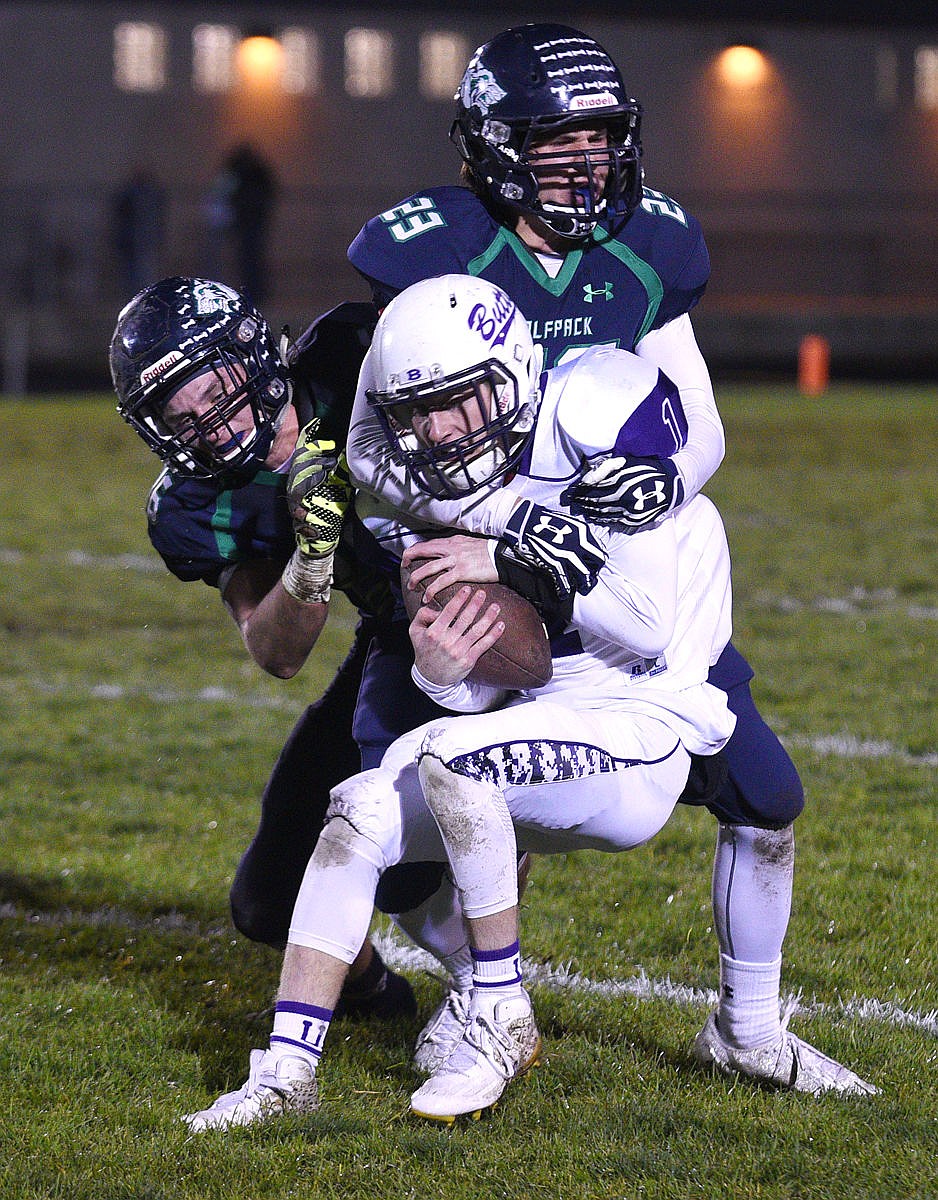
<point x="628" y="279"/>
<point x="201" y="526"/>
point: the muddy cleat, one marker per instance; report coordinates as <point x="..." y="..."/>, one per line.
<point x="442" y="1033"/>
<point x="275" y="1087"/>
<point x="788" y="1064"/>
<point x="492" y="1052"/>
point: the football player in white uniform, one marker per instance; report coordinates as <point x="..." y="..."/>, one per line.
<point x="594" y="759"/>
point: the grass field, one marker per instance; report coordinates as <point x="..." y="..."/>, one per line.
<point x="135" y="737"/>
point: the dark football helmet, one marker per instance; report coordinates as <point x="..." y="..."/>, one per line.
<point x="539" y="80"/>
<point x="180" y="328"/>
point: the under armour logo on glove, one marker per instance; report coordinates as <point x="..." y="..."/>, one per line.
<point x="545" y="527"/>
<point x="560" y="546"/>
<point x="628" y="493"/>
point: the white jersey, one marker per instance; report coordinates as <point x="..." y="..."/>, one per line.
<point x="673" y="348"/>
<point x="598" y="757"/>
<point x="660" y="614"/>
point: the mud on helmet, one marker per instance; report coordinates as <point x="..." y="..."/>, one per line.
<point x="177" y="329"/>
<point x="534" y="81"/>
<point x="455" y="340"/>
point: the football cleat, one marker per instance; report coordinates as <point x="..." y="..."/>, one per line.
<point x="443" y="1032"/>
<point x="788" y="1063"/>
<point x="276" y="1086"/>
<point x="494" y="1050"/>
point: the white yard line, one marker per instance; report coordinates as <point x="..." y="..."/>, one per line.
<point x="859" y="601"/>
<point x="552" y="976"/>
<point x="641" y="986"/>
<point x="839" y="745"/>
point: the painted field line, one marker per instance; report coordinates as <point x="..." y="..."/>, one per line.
<point x="142" y="564"/>
<point x="859" y="601"/>
<point x="844" y="745"/>
<point x="840" y="745"/>
<point x="118" y="691"/>
<point x="641" y="986"/>
<point x="554" y="977"/>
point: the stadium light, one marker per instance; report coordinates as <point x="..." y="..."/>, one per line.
<point x="742" y="66"/>
<point x="260" y="60"/>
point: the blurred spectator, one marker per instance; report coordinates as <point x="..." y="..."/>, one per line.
<point x="138" y="211"/>
<point x="241" y="201"/>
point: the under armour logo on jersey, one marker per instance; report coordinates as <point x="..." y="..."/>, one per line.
<point x="656" y="496"/>
<point x="591" y="293"/>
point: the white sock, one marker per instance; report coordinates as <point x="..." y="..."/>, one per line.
<point x="437" y="927"/>
<point x="748" y="1013"/>
<point x="496" y="976"/>
<point x="299" y="1030"/>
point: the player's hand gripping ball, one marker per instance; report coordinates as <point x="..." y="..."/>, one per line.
<point x="521" y="657"/>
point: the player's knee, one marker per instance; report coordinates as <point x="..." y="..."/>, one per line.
<point x="360" y="819"/>
<point x="778" y="801"/>
<point x="444" y="743"/>
<point x="258" y="917"/>
<point x="789" y="802"/>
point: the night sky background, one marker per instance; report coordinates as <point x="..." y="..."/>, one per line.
<point x="865" y="13"/>
<point x="921" y="13"/>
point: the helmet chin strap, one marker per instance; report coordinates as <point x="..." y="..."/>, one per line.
<point x="571" y="229"/>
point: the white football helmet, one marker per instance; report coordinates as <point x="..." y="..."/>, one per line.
<point x="455" y="343"/>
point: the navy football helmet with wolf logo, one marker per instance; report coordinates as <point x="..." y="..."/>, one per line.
<point x="532" y="83"/>
<point x="178" y="329"/>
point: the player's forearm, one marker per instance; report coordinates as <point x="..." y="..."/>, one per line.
<point x="634" y="602"/>
<point x="282" y="630"/>
<point x="462" y="697"/>
<point x="702" y="455"/>
<point x="373" y="471"/>
<point x="674" y="349"/>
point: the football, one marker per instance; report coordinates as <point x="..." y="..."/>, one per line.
<point x="521" y="656"/>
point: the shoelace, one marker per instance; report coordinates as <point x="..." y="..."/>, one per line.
<point x="231" y="1099"/>
<point x="457" y="1005"/>
<point x="489" y="1042"/>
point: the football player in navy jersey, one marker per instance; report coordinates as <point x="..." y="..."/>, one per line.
<point x="553" y="210"/>
<point x="199" y="377"/>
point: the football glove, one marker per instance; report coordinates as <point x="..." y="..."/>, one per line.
<point x="557" y="544"/>
<point x="314" y="458"/>
<point x="535" y="585"/>
<point x="319" y="491"/>
<point x="627" y="493"/>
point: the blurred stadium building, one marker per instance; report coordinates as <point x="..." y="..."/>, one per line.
<point x="808" y="148"/>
